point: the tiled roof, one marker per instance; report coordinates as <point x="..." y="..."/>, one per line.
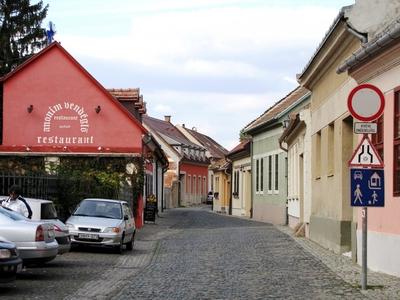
<point x="220" y="165"/>
<point x="130" y="95"/>
<point x="240" y="147"/>
<point x="280" y="106"/>
<point x="168" y="131"/>
<point x="384" y="39"/>
<point x="215" y="149"/>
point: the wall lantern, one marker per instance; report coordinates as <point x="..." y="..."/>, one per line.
<point x="29" y="108"/>
<point x="97" y="109"/>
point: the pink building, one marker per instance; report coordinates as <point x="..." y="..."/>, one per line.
<point x="378" y="63"/>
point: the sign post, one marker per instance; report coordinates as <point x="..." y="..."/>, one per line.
<point x="366" y="103"/>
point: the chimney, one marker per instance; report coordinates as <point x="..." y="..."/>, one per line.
<point x="167" y="119"/>
<point x="183" y="125"/>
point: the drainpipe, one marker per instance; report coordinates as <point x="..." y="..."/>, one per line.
<point x="251" y="180"/>
<point x="230" y="190"/>
<point x="363" y="37"/>
<point x="179" y="183"/>
<point x="157" y="194"/>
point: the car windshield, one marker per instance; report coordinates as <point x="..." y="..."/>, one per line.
<point x="100" y="209"/>
<point x="48" y="211"/>
<point x="11" y="214"/>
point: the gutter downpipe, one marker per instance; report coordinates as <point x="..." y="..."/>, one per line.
<point x="252" y="182"/>
<point x="361" y="36"/>
<point x="287" y="177"/>
<point x="230" y="190"/>
<point x="157" y="189"/>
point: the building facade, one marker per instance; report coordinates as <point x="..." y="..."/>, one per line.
<point x="379" y="64"/>
<point x="55" y="113"/>
<point x="240" y="158"/>
<point x="296" y="139"/>
<point x="269" y="160"/>
<point x="186" y="178"/>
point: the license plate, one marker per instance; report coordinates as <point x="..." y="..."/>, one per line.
<point x="88" y="236"/>
<point x="19" y="268"/>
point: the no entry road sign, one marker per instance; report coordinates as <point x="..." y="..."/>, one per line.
<point x="366" y="102"/>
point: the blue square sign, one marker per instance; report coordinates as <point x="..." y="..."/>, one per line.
<point x="367" y="187"/>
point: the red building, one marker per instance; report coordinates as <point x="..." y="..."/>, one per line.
<point x="52" y="108"/>
<point x="185" y="181"/>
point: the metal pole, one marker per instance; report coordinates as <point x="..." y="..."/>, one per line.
<point x="364" y="249"/>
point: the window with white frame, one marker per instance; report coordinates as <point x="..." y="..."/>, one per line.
<point x="262" y="175"/>
<point x="257" y="175"/>
<point x="236" y="184"/>
<point x="270" y="173"/>
<point x="216" y="192"/>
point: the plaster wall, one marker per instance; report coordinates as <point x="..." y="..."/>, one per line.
<point x="270" y="206"/>
<point x="332" y="146"/>
<point x="240" y="204"/>
<point x="372" y="16"/>
<point x="383" y="223"/>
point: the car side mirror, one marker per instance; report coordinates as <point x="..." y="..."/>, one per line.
<point x="126" y="218"/>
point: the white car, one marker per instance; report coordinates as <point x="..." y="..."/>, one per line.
<point x="44" y="211"/>
<point x="103" y="222"/>
<point x="34" y="240"/>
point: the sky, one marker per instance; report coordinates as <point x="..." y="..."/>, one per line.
<point x="215" y="65"/>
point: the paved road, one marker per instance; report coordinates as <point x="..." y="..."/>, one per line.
<point x="219" y="257"/>
<point x="189" y="254"/>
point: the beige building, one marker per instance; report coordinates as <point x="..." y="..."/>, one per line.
<point x="296" y="139"/>
<point x="333" y="222"/>
<point x="332" y="138"/>
<point x="240" y="156"/>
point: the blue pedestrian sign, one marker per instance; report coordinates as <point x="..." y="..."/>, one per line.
<point x="367" y="187"/>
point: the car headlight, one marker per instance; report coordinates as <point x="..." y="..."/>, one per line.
<point x="112" y="229"/>
<point x="70" y="226"/>
<point x="5" y="253"/>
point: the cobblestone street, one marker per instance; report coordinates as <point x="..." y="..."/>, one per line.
<point x="217" y="257"/>
<point x="195" y="254"/>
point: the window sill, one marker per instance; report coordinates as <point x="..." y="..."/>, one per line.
<point x="317" y="178"/>
<point x="330" y="175"/>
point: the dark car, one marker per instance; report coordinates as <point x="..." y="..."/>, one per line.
<point x="10" y="262"/>
<point x="210" y="198"/>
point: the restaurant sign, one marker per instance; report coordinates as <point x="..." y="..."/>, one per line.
<point x="71" y="122"/>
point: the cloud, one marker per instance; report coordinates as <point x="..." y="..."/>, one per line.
<point x="212" y="64"/>
<point x="203" y="42"/>
<point x="219" y="115"/>
<point x="162" y="108"/>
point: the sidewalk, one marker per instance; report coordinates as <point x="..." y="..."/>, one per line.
<point x="380" y="285"/>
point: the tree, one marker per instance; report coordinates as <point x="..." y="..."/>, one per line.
<point x="21" y="34"/>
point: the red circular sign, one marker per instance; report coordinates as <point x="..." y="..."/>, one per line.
<point x="366" y="102"/>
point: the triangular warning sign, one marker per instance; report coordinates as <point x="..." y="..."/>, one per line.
<point x="366" y="155"/>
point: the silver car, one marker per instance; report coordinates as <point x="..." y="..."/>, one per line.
<point x="44" y="211"/>
<point x="102" y="222"/>
<point x="34" y="240"/>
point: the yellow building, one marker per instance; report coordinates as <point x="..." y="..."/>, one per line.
<point x="222" y="185"/>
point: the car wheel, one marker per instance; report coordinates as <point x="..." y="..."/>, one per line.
<point x="129" y="245"/>
<point x="119" y="249"/>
